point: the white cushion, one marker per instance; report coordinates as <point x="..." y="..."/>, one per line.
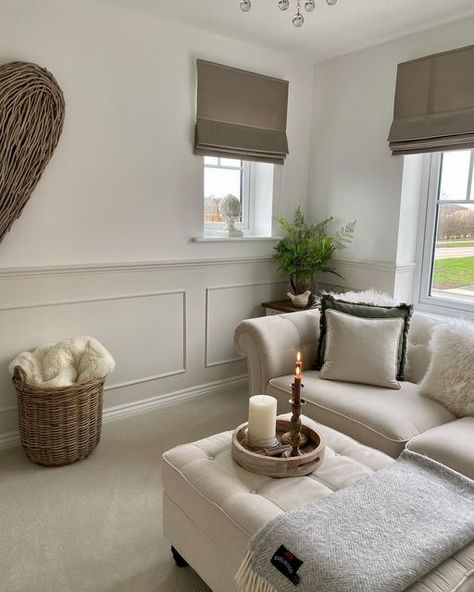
<point x="450" y="376"/>
<point x="362" y="350"/>
<point x="378" y="417"/>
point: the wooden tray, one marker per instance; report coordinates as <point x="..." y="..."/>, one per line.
<point x="297" y="466"/>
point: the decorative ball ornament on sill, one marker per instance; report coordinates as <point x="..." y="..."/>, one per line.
<point x="298" y="19"/>
<point x="230" y="210"/>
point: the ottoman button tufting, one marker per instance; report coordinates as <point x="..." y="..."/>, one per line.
<point x="211" y="457"/>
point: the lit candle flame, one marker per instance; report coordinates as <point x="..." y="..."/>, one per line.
<point x="298" y="357"/>
<point x="298" y="372"/>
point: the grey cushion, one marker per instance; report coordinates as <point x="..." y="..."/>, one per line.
<point x="365" y="310"/>
<point x="381" y="418"/>
<point x="451" y="444"/>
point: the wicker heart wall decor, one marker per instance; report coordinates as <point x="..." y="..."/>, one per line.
<point x="31" y="120"/>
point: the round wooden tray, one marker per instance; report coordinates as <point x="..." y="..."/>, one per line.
<point x="257" y="462"/>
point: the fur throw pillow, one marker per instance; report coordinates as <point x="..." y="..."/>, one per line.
<point x="367" y="296"/>
<point x="450" y="375"/>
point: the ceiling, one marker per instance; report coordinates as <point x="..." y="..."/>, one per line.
<point x="327" y="32"/>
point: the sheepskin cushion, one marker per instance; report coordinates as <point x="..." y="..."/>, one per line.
<point x="74" y="361"/>
<point x="373" y="297"/>
<point x="450" y="375"/>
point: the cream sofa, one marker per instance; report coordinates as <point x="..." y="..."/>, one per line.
<point x="385" y="419"/>
<point x="212" y="507"/>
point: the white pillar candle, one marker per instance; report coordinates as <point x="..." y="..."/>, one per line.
<point x="262" y="417"/>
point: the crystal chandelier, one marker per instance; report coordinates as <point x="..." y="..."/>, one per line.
<point x="298" y="19"/>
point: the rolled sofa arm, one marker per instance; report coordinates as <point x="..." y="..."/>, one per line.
<point x="270" y="345"/>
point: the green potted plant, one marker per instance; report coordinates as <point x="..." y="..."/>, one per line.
<point x="307" y="248"/>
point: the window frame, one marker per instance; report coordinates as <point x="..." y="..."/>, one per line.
<point x="428" y="228"/>
<point x="211" y="228"/>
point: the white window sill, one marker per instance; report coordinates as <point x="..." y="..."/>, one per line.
<point x="234" y="239"/>
<point x="446" y="308"/>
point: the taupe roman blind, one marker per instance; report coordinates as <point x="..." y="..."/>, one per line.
<point x="240" y="114"/>
<point x="434" y="103"/>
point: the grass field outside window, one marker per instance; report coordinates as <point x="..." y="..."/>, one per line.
<point x="453" y="273"/>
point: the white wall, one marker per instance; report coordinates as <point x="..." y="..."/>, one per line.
<point x="124" y="186"/>
<point x="353" y="174"/>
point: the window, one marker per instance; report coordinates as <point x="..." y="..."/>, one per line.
<point x="250" y="182"/>
<point x="221" y="177"/>
<point x="447" y="275"/>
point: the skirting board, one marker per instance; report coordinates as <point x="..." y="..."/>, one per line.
<point x="11" y="439"/>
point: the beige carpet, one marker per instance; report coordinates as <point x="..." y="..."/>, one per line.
<point x="96" y="526"/>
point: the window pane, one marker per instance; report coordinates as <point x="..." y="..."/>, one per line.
<point x="453" y="268"/>
<point x="211" y="160"/>
<point x="220" y="182"/>
<point x="231" y="162"/>
<point x="217" y="184"/>
<point x="455" y="175"/>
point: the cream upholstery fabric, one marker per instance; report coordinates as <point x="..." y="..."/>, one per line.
<point x="418" y="354"/>
<point x="212" y="506"/>
<point x="451" y="444"/>
<point x="228" y="504"/>
<point x="251" y="500"/>
<point x="360" y="350"/>
<point x="382" y="418"/>
<point x="386" y="421"/>
<point x="270" y="343"/>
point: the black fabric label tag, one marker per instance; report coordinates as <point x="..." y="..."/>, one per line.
<point x="287" y="564"/>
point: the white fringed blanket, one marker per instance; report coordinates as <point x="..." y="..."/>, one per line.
<point x="381" y="534"/>
<point x="74" y="361"/>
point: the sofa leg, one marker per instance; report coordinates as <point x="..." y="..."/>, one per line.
<point x="180" y="561"/>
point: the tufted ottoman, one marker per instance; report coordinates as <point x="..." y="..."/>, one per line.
<point x="212" y="507"/>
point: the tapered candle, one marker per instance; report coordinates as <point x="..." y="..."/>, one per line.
<point x="299" y="361"/>
<point x="294" y="436"/>
<point x="297" y="384"/>
<point x="262" y="417"/>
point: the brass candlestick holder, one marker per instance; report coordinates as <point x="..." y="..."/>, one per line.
<point x="295" y="436"/>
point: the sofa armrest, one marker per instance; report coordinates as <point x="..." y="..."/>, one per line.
<point x="270" y="345"/>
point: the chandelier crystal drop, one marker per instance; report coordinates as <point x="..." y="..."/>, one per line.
<point x="298" y="19"/>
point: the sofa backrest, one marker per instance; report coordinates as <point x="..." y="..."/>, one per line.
<point x="270" y="343"/>
<point x="418" y="355"/>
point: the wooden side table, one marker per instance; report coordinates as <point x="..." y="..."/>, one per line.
<point x="283" y="306"/>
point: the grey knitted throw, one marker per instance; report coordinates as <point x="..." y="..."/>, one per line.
<point x="381" y="534"/>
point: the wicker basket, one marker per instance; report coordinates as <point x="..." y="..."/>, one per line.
<point x="59" y="426"/>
